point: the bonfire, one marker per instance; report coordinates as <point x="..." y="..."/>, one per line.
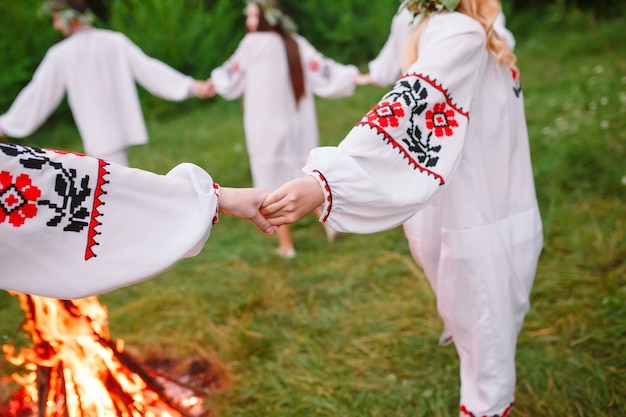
<point x="73" y="368"/>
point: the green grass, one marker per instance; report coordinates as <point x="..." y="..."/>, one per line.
<point x="351" y="329"/>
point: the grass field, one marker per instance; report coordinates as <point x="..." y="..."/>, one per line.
<point x="350" y="328"/>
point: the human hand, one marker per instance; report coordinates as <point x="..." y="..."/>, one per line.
<point x="244" y="203"/>
<point x="363" y="79"/>
<point x="292" y="201"/>
<point x="204" y="89"/>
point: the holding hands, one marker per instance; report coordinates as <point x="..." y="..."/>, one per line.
<point x="244" y="203"/>
<point x="267" y="211"/>
<point x="203" y="89"/>
<point x="292" y="201"/>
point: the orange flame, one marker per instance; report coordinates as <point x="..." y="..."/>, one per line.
<point x="74" y="369"/>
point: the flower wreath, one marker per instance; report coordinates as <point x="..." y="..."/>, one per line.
<point x="67" y="13"/>
<point x="275" y="17"/>
<point x="429" y="6"/>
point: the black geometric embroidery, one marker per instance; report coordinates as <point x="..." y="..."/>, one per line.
<point x="72" y="191"/>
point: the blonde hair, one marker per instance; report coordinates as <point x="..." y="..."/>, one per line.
<point x="484" y="12"/>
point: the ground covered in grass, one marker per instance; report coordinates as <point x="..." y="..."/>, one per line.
<point x="351" y="328"/>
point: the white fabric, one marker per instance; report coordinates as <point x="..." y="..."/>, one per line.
<point x="279" y="134"/>
<point x="97" y="69"/>
<point x="474" y="178"/>
<point x="72" y="226"/>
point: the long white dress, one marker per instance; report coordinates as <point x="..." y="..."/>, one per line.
<point x="423" y="231"/>
<point x="451" y="135"/>
<point x="73" y="226"/>
<point x="279" y="133"/>
<point x="97" y="69"/>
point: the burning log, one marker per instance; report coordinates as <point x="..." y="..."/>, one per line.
<point x="74" y="369"/>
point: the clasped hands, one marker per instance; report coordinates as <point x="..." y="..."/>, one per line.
<point x="267" y="211"/>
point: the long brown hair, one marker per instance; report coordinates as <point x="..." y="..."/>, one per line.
<point x="296" y="72"/>
<point x="484" y="12"/>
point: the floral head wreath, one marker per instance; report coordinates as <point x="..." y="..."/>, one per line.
<point x="429" y="6"/>
<point x="274" y="16"/>
<point x="66" y="12"/>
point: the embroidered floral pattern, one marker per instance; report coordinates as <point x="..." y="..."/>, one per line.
<point x="386" y="114"/>
<point x="18" y="199"/>
<point x="232" y="69"/>
<point x="441" y="120"/>
<point x="67" y="204"/>
<point x="321" y="65"/>
<point x="413" y="118"/>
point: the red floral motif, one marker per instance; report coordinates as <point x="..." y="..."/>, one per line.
<point x="441" y="120"/>
<point x="314" y="66"/>
<point x="386" y="114"/>
<point x="17" y="199"/>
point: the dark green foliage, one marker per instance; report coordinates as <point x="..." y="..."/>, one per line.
<point x="599" y="8"/>
<point x="194" y="36"/>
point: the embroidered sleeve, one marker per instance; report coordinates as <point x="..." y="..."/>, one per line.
<point x="327" y="78"/>
<point x="73" y="226"/>
<point x="405" y="149"/>
<point x="228" y="78"/>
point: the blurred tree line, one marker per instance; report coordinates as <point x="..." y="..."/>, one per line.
<point x="194" y="36"/>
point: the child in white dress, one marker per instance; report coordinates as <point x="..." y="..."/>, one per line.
<point x="278" y="73"/>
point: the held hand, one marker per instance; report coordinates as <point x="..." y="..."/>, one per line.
<point x="363" y="79"/>
<point x="203" y="89"/>
<point x="244" y="203"/>
<point x="292" y="201"/>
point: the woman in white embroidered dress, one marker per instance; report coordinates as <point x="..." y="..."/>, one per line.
<point x="97" y="69"/>
<point x="418" y="148"/>
<point x="278" y="73"/>
<point x="423" y="230"/>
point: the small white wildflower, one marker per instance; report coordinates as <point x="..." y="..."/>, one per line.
<point x="548" y="131"/>
<point x="598" y="69"/>
<point x="604" y="101"/>
<point x="604" y="124"/>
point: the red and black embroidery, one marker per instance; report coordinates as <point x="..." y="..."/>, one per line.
<point x="95" y="213"/>
<point x="70" y="209"/>
<point x="328" y="196"/>
<point x="18" y="198"/>
<point x="410" y="99"/>
<point x="321" y="65"/>
<point x="468" y="413"/>
<point x="517" y="87"/>
<point x="232" y="69"/>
